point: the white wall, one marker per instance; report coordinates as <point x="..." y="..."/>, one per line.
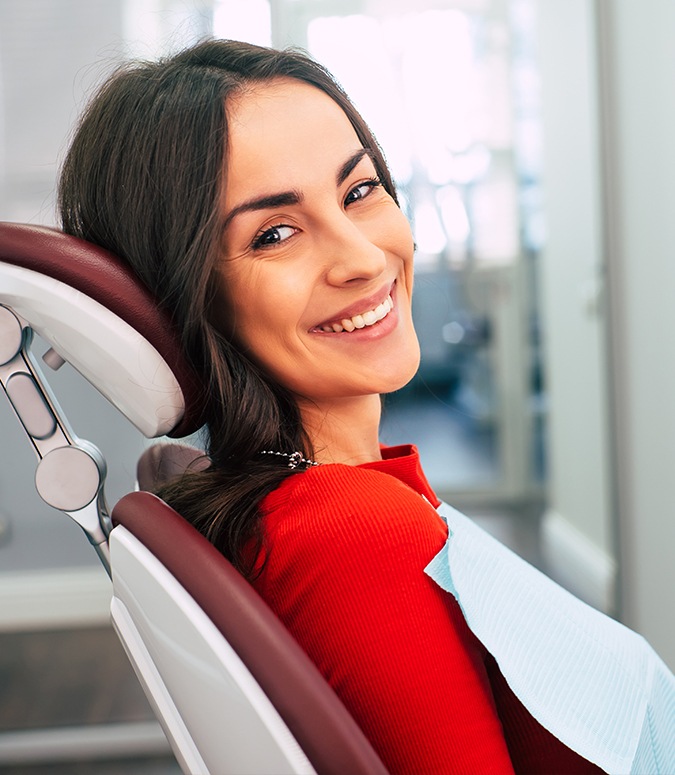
<point x="638" y="43"/>
<point x="51" y="54"/>
<point x="608" y="285"/>
<point x="578" y="534"/>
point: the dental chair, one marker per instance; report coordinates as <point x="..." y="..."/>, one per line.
<point x="232" y="690"/>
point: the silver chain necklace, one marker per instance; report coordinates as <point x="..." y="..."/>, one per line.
<point x="294" y="458"/>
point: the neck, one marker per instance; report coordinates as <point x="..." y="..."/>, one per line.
<point x="345" y="430"/>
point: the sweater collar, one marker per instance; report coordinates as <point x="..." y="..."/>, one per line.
<point x="403" y="462"/>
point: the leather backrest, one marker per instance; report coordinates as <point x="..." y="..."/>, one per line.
<point x="328" y="735"/>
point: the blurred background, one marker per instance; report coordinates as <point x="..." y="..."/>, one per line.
<point x="531" y="143"/>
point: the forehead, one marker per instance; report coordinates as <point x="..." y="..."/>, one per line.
<point x="280" y="131"/>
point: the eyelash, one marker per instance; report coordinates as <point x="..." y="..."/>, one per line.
<point x="371" y="184"/>
<point x="259" y="239"/>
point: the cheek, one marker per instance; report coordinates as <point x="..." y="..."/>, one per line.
<point x="234" y="303"/>
<point x="261" y="310"/>
<point x="399" y="241"/>
<point x="393" y="233"/>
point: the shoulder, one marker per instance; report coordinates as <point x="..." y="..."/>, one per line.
<point x="343" y="507"/>
<point x="339" y="483"/>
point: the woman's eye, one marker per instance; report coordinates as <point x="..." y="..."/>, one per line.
<point x="361" y="191"/>
<point x="273" y="236"/>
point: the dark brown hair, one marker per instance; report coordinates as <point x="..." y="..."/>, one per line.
<point x="144" y="178"/>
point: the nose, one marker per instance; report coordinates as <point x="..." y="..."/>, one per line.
<point x="352" y="255"/>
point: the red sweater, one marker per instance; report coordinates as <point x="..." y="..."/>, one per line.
<point x="344" y="571"/>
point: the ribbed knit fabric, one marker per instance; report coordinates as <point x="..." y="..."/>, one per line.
<point x="346" y="548"/>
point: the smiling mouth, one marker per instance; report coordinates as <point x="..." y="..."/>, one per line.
<point x="363" y="320"/>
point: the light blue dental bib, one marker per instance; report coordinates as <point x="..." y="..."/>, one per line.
<point x="596" y="685"/>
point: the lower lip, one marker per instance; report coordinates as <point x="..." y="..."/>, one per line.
<point x="367" y="333"/>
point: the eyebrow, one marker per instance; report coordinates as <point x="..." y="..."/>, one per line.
<point x="352" y="162"/>
<point x="293" y="197"/>
<point x="283" y="199"/>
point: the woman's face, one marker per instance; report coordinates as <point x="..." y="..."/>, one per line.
<point x="317" y="257"/>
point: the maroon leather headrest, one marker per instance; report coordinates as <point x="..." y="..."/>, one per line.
<point x="108" y="280"/>
<point x="328" y="735"/>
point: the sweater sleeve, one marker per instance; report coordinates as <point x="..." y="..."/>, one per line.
<point x="344" y="572"/>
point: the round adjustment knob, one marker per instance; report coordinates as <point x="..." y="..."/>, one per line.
<point x="68" y="478"/>
<point x="11" y="335"/>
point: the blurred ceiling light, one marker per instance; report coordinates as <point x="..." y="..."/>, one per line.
<point x="368" y="78"/>
<point x="441" y="78"/>
<point x="453" y="332"/>
<point x="453" y="214"/>
<point x="429" y="233"/>
<point x="250" y="21"/>
<point x="443" y="167"/>
<point x="494" y="208"/>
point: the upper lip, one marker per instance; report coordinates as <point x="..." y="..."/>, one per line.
<point x="361" y="306"/>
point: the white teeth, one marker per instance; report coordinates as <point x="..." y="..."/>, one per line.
<point x="368" y="318"/>
<point x="381" y="310"/>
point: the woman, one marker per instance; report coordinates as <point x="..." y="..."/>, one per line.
<point x="248" y="194"/>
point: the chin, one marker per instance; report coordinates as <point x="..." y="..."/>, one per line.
<point x="398" y="385"/>
<point x="404" y="373"/>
